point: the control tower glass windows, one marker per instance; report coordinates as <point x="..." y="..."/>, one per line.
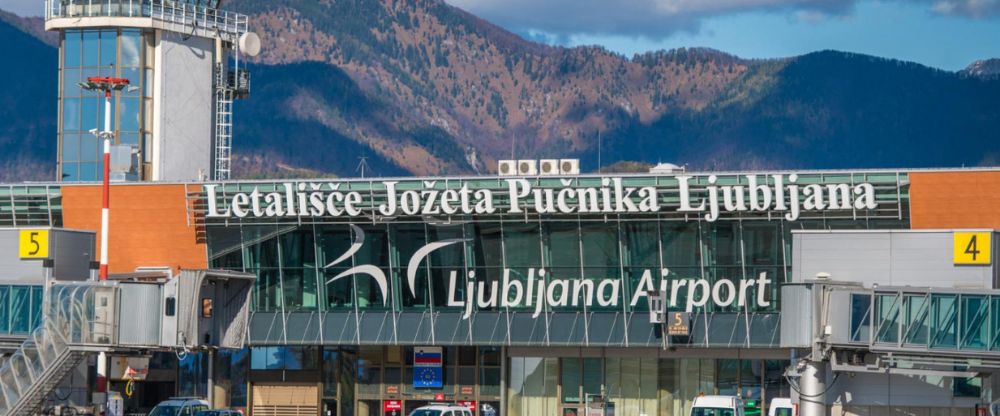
<point x="87" y="53"/>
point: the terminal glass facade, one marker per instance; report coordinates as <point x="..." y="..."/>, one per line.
<point x="307" y="290"/>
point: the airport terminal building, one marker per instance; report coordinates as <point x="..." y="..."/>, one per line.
<point x="531" y="295"/>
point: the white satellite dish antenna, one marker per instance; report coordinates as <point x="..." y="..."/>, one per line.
<point x="250" y="44"/>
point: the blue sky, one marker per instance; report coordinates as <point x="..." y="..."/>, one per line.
<point x="946" y="34"/>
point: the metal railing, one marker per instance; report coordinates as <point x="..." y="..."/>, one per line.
<point x="70" y="326"/>
<point x="178" y="15"/>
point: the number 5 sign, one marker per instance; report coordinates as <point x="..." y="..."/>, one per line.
<point x="972" y="247"/>
<point x="34" y="244"/>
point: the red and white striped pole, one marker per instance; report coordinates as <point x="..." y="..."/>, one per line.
<point x="106" y="188"/>
<point x="106" y="85"/>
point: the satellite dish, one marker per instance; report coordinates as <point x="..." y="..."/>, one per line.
<point x="250" y="44"/>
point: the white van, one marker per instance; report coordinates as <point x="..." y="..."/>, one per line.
<point x="781" y="406"/>
<point x="717" y="406"/>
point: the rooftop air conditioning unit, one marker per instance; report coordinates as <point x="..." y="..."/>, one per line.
<point x="569" y="166"/>
<point x="507" y="167"/>
<point x="527" y="167"/>
<point x="548" y="166"/>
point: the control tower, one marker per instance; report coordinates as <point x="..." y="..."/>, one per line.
<point x="183" y="62"/>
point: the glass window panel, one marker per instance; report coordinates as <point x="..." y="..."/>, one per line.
<point x="339" y="293"/>
<point x="681" y="244"/>
<point x="995" y="330"/>
<point x="641" y="241"/>
<point x="36" y="306"/>
<point x="593" y="375"/>
<point x="944" y="327"/>
<point x="268" y="294"/>
<point x="723" y="242"/>
<point x="91" y="48"/>
<point x="5" y="309"/>
<point x="89" y="109"/>
<point x="569" y="379"/>
<point x="466" y="355"/>
<point x="968" y="387"/>
<point x="564" y="245"/>
<point x="266" y="358"/>
<point x="71" y="87"/>
<point x="300" y="289"/>
<point x="600" y="244"/>
<point x="487" y="246"/>
<point x="20" y="309"/>
<point x="450" y="257"/>
<point x="130" y="115"/>
<point x="522" y="245"/>
<point x="297" y="250"/>
<point x="109" y="48"/>
<point x="131" y="139"/>
<point x="489" y="381"/>
<point x="89" y="150"/>
<point x="369" y="293"/>
<point x="975" y="330"/>
<point x="131" y="41"/>
<point x="887" y="312"/>
<point x="489" y="356"/>
<point x="467" y="376"/>
<point x="375" y="250"/>
<point x="135" y="82"/>
<point x="762" y="244"/>
<point x="90" y="172"/>
<point x="860" y="318"/>
<point x="70" y="173"/>
<point x="915" y="323"/>
<point x="261" y="254"/>
<point x="409" y="238"/>
<point x="333" y="241"/>
<point x="71" y="49"/>
<point x="71" y="115"/>
<point x="71" y="147"/>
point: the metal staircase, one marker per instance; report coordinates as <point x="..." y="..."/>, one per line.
<point x="51" y="351"/>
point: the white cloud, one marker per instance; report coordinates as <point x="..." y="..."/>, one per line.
<point x="23" y="7"/>
<point x="658" y="19"/>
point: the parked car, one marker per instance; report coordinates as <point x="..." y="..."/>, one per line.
<point x="781" y="406"/>
<point x="717" y="406"/>
<point x="441" y="409"/>
<point x="179" y="406"/>
<point x="218" y="412"/>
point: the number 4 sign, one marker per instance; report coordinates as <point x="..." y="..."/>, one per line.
<point x="972" y="247"/>
<point x="34" y="244"/>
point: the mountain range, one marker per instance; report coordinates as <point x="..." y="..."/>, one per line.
<point x="421" y="87"/>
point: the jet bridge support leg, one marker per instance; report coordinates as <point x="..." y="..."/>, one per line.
<point x="812" y="389"/>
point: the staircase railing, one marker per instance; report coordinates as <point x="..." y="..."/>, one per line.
<point x="69" y="328"/>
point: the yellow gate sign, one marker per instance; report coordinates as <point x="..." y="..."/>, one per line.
<point x="34" y="244"/>
<point x="972" y="247"/>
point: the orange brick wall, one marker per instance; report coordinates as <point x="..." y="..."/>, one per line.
<point x="148" y="225"/>
<point x="966" y="199"/>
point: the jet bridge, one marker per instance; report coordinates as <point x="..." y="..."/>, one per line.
<point x="199" y="309"/>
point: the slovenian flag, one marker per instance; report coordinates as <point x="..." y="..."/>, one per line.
<point x="427" y="357"/>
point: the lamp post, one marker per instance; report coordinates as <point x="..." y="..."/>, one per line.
<point x="105" y="85"/>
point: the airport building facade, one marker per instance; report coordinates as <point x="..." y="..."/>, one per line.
<point x="513" y="295"/>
